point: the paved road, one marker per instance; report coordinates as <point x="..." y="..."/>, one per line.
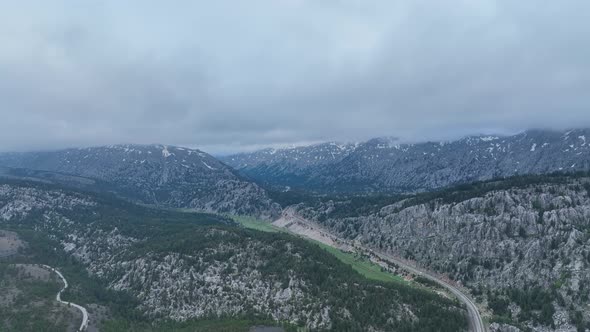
<point x="84" y="324"/>
<point x="475" y="321"/>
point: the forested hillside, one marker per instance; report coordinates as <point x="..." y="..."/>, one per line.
<point x="153" y="266"/>
<point x="522" y="245"/>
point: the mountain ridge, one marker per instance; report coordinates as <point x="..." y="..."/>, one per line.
<point x="162" y="175"/>
<point x="383" y="165"/>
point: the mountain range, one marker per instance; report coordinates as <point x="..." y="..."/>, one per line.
<point x="177" y="177"/>
<point x="384" y="165"/>
<point x="507" y="218"/>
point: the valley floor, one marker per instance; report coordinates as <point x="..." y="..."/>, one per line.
<point x="345" y="253"/>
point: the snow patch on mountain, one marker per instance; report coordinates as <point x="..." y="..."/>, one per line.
<point x="165" y="152"/>
<point x="209" y="167"/>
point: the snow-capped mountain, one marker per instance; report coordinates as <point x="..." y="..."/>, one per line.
<point x="297" y="157"/>
<point x="381" y="164"/>
<point x="156" y="174"/>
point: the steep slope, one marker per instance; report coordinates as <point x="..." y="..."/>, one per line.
<point x="290" y="167"/>
<point x="382" y="165"/>
<point x="182" y="266"/>
<point x="522" y="245"/>
<point x="155" y="174"/>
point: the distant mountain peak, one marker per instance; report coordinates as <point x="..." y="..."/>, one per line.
<point x="156" y="174"/>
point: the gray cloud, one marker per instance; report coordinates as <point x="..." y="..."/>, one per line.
<point x="229" y="75"/>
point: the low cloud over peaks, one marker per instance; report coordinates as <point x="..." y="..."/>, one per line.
<point x="235" y="75"/>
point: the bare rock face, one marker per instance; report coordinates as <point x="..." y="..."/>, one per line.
<point x="384" y="165"/>
<point x="161" y="175"/>
<point x="525" y="251"/>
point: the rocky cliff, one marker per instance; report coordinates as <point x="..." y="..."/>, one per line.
<point x="523" y="249"/>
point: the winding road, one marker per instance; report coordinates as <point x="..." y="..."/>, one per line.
<point x="290" y="217"/>
<point x="84" y="324"/>
<point x="475" y="321"/>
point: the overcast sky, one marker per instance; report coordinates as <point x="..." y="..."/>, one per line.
<point x="237" y="75"/>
